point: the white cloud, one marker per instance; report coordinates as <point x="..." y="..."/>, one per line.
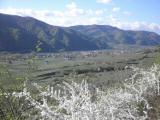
<point x="104" y="1"/>
<point x="89" y="12"/>
<point x="73" y="10"/>
<point x="72" y="5"/>
<point x="127" y="13"/>
<point x="116" y="9"/>
<point x="137" y="25"/>
<point x="99" y="12"/>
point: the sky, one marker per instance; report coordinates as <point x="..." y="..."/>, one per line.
<point x="125" y="14"/>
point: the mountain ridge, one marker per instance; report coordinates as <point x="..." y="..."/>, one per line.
<point x="22" y="34"/>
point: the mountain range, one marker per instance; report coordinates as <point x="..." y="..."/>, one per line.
<point x="27" y="34"/>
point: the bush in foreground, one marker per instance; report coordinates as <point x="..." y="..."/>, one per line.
<point x="73" y="101"/>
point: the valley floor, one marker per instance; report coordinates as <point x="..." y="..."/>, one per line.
<point x="100" y="69"/>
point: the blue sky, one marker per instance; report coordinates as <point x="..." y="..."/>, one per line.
<point x="125" y="14"/>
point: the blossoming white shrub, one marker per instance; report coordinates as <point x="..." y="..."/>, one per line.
<point x="77" y="101"/>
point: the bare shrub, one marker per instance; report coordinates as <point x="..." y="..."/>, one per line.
<point x="76" y="102"/>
